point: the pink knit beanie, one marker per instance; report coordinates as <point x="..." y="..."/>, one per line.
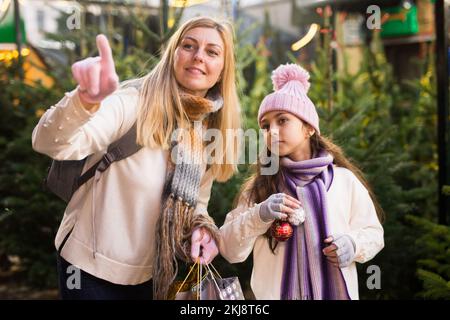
<point x="290" y="84"/>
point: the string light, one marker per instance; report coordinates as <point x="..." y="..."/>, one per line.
<point x="13" y="54"/>
<point x="186" y="3"/>
<point x="5" y="6"/>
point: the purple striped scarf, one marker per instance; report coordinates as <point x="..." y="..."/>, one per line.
<point x="307" y="275"/>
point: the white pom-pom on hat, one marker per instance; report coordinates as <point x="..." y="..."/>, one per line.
<point x="290" y="72"/>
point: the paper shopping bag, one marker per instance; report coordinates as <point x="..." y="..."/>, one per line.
<point x="225" y="288"/>
<point x="206" y="284"/>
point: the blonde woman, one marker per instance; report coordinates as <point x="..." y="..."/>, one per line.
<point x="126" y="227"/>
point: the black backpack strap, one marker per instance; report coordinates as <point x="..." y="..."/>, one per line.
<point x="118" y="150"/>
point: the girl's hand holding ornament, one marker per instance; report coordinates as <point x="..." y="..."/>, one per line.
<point x="278" y="206"/>
<point x="281" y="207"/>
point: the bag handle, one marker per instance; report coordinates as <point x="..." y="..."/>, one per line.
<point x="214" y="279"/>
<point x="215" y="270"/>
<point x="200" y="276"/>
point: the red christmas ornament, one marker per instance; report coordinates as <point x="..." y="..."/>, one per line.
<point x="281" y="230"/>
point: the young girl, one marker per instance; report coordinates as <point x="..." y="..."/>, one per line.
<point x="335" y="216"/>
<point x="129" y="224"/>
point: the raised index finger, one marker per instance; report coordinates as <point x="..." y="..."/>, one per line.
<point x="105" y="51"/>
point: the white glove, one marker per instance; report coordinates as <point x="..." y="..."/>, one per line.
<point x="341" y="252"/>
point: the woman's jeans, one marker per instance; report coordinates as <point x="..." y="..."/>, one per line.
<point x="75" y="284"/>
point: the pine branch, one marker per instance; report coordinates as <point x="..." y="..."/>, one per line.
<point x="446" y="190"/>
<point x="143" y="27"/>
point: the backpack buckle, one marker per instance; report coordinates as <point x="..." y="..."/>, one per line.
<point x="108" y="159"/>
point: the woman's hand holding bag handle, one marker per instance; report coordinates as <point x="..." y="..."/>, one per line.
<point x="203" y="246"/>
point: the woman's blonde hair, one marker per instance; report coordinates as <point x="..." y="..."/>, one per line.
<point x="161" y="110"/>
